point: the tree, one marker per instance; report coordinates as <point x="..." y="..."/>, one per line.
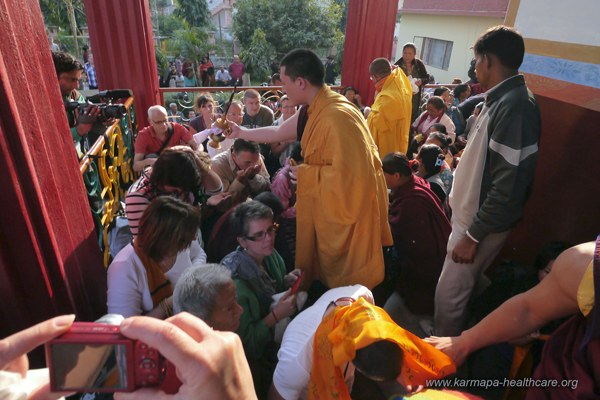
<point x="195" y="12"/>
<point x="258" y="56"/>
<point x="287" y="24"/>
<point x="189" y="42"/>
<point x="67" y="15"/>
<point x="55" y="13"/>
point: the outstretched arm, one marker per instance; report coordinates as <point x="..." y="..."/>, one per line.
<point x="268" y="134"/>
<point x="555" y="297"/>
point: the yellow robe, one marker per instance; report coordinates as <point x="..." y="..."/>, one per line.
<point x="342" y="200"/>
<point x="389" y="120"/>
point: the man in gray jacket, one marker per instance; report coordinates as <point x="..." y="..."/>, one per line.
<point x="493" y="179"/>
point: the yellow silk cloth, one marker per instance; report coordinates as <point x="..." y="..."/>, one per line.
<point x="342" y="201"/>
<point x="585" y="292"/>
<point x="159" y="285"/>
<point x="389" y="120"/>
<point x="356" y="326"/>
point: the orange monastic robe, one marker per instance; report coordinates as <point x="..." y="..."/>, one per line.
<point x="389" y="120"/>
<point x="342" y="200"/>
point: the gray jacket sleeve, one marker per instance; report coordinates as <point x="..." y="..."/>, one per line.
<point x="514" y="130"/>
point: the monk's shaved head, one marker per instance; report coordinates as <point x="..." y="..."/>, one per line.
<point x="380" y="67"/>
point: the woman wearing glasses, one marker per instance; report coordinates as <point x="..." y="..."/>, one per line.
<point x="259" y="272"/>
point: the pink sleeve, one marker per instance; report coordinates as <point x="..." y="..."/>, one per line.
<point x="281" y="189"/>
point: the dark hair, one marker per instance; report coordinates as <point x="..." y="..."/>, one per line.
<point x="549" y="253"/>
<point x="270" y="200"/>
<point x="430" y="155"/>
<point x="471" y="72"/>
<point x="296" y="153"/>
<point x="167" y="227"/>
<point x="203" y="99"/>
<point x="349" y="88"/>
<point x="440" y="90"/>
<point x="305" y="64"/>
<point x="380" y="67"/>
<point x="444" y="140"/>
<point x="64" y="62"/>
<point x="244" y="145"/>
<point x="410" y="45"/>
<point x="503" y="42"/>
<point x="396" y="163"/>
<point x="460" y="89"/>
<point x="437" y="102"/>
<point x="177" y="166"/>
<point x="379" y="361"/>
<point x="439" y="127"/>
<point x="249" y="211"/>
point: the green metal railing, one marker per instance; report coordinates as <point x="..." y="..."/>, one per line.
<point x="107" y="171"/>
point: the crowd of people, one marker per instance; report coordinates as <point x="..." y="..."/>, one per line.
<point x="345" y="252"/>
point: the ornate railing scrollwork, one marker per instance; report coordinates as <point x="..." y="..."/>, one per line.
<point x="107" y="171"/>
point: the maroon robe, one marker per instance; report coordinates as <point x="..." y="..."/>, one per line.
<point x="420" y="230"/>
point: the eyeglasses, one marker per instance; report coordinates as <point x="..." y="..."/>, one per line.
<point x="263" y="234"/>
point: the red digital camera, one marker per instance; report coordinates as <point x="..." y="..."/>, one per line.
<point x="96" y="357"/>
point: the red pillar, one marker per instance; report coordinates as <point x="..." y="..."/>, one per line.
<point x="123" y="48"/>
<point x="369" y="35"/>
<point x="50" y="262"/>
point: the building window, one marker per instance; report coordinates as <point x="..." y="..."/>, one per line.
<point x="434" y="52"/>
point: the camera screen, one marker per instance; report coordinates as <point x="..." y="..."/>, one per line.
<point x="78" y="366"/>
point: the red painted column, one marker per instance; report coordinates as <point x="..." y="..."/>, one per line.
<point x="123" y="48"/>
<point x="369" y="35"/>
<point x="50" y="262"/>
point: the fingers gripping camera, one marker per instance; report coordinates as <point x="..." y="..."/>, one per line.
<point x="95" y="357"/>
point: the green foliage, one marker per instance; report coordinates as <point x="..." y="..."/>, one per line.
<point x="343" y="4"/>
<point x="287" y="24"/>
<point x="161" y="60"/>
<point x="195" y="12"/>
<point x="190" y="42"/>
<point x="169" y="24"/>
<point x="55" y="13"/>
<point x="258" y="56"/>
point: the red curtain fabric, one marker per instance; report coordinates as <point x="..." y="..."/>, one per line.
<point x="50" y="262"/>
<point x="369" y="35"/>
<point x="123" y="47"/>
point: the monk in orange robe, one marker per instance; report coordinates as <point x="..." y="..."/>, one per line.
<point x="341" y="205"/>
<point x="389" y="120"/>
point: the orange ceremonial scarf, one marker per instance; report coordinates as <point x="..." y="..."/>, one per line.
<point x="158" y="284"/>
<point x="353" y="327"/>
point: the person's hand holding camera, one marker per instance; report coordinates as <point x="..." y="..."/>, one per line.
<point x="210" y="364"/>
<point x="86" y="120"/>
<point x="13" y="359"/>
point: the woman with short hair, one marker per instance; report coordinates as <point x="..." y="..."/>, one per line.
<point x="259" y="272"/>
<point x="141" y="276"/>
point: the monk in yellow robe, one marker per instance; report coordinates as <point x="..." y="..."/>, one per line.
<point x="389" y="120"/>
<point x="342" y="201"/>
